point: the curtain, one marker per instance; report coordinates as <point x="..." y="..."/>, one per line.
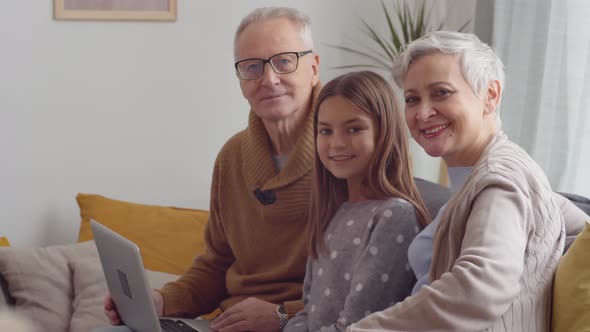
<point x="545" y="46"/>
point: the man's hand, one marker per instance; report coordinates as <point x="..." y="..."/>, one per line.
<point x="113" y="315"/>
<point x="252" y="314"/>
<point x="158" y="302"/>
<point x="111" y="311"/>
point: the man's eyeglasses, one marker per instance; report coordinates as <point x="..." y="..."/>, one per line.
<point x="282" y="63"/>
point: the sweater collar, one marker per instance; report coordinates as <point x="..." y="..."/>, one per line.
<point x="259" y="167"/>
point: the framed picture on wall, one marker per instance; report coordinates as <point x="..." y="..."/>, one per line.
<point x="124" y="10"/>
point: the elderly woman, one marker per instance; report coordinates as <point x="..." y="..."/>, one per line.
<point x="487" y="261"/>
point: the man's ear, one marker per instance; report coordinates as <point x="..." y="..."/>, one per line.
<point x="492" y="96"/>
<point x="316" y="69"/>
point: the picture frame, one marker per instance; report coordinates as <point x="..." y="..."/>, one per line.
<point x="115" y="10"/>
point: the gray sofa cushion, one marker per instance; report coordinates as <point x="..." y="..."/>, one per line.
<point x="580" y="201"/>
<point x="433" y="194"/>
<point x="5" y="298"/>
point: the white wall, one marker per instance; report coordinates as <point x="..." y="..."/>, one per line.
<point x="131" y="110"/>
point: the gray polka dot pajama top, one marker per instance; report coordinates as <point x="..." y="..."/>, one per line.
<point x="365" y="269"/>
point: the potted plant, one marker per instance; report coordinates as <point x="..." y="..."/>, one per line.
<point x="410" y="25"/>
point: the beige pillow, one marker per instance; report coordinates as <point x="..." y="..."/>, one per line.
<point x="39" y="280"/>
<point x="90" y="289"/>
<point x="11" y="321"/>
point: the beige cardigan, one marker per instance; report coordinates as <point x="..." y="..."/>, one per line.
<point x="495" y="253"/>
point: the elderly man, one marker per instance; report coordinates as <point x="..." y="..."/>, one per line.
<point x="254" y="263"/>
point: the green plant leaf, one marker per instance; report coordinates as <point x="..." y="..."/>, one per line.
<point x="396" y="43"/>
<point x="405" y="22"/>
<point x="462" y="28"/>
<point x="419" y="28"/>
<point x="373" y="35"/>
<point x="426" y="20"/>
<point x="360" y="66"/>
<point x="410" y="25"/>
<point x="361" y="53"/>
<point x="376" y="53"/>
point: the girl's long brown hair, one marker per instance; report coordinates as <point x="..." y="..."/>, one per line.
<point x="389" y="173"/>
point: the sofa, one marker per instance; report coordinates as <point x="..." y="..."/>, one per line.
<point x="61" y="288"/>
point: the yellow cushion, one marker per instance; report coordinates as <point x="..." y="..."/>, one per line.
<point x="169" y="238"/>
<point x="4" y="242"/>
<point x="571" y="290"/>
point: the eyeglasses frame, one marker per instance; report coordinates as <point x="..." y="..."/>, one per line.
<point x="264" y="62"/>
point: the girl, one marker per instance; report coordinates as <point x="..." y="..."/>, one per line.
<point x="366" y="208"/>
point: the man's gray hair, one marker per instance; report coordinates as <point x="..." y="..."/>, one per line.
<point x="266" y="13"/>
<point x="479" y="63"/>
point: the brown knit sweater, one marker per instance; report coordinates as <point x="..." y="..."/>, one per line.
<point x="253" y="250"/>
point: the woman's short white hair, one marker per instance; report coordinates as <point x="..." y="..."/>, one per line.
<point x="267" y="13"/>
<point x="479" y="63"/>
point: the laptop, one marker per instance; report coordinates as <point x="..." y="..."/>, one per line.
<point x="130" y="288"/>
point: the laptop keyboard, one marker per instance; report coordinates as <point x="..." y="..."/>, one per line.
<point x="169" y="325"/>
